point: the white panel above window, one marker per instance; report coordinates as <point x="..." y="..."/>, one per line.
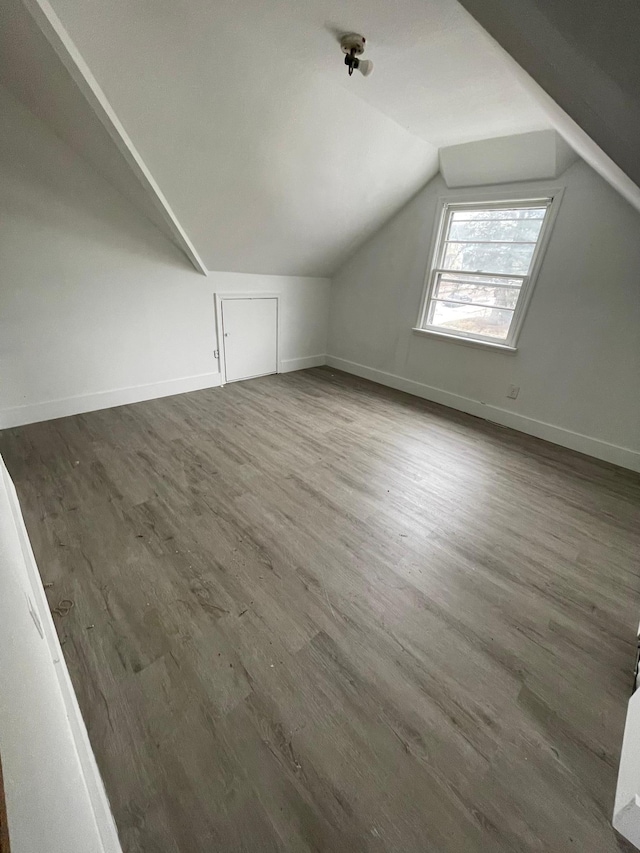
<point x="483" y="267"/>
<point x="540" y="155"/>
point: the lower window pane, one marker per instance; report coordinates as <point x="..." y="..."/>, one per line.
<point x="472" y="319"/>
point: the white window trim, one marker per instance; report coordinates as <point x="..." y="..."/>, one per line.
<point x="495" y="199"/>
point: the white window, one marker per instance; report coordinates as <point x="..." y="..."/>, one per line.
<point x="485" y="260"/>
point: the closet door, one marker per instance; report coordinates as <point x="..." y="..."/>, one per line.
<point x="250" y="337"/>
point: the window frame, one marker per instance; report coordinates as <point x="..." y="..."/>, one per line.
<point x="551" y="197"/>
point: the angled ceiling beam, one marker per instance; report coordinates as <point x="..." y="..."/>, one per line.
<point x="580" y="141"/>
<point x="549" y="66"/>
<point x="59" y="39"/>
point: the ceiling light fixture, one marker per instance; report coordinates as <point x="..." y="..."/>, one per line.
<point x="352" y="45"/>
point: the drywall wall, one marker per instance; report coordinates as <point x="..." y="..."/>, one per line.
<point x="55" y="799"/>
<point x="93" y="298"/>
<point x="505" y="159"/>
<point x="578" y="357"/>
<point x="97" y="307"/>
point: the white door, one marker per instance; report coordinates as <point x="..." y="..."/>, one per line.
<point x="250" y="337"/>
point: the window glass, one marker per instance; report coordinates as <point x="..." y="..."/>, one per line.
<point x="482" y="267"/>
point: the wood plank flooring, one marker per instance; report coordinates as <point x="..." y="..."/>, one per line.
<point x="314" y="614"/>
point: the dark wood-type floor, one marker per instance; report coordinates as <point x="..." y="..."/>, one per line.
<point x="313" y="614"/>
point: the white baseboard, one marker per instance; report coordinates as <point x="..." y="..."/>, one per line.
<point x="623" y="456"/>
<point x="50" y="409"/>
<point x="290" y="364"/>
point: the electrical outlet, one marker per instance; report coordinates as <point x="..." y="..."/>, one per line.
<point x="513" y="391"/>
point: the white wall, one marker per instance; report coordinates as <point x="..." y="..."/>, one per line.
<point x="626" y="811"/>
<point x="97" y="307"/>
<point x="55" y="799"/>
<point x="578" y="360"/>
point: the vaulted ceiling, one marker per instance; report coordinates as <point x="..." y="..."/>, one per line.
<point x="31" y="70"/>
<point x="584" y="54"/>
<point x="271" y="157"/>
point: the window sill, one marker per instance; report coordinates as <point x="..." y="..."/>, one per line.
<point x="468" y="342"/>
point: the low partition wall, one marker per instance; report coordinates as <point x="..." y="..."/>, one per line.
<point x="55" y="799"/>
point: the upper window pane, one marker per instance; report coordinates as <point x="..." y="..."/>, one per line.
<point x="492" y="240"/>
<point x="510" y="230"/>
<point x="500" y="213"/>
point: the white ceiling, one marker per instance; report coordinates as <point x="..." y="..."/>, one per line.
<point x="273" y="159"/>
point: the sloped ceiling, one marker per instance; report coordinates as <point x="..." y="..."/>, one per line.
<point x="32" y="71"/>
<point x="273" y="160"/>
<point x="584" y="54"/>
